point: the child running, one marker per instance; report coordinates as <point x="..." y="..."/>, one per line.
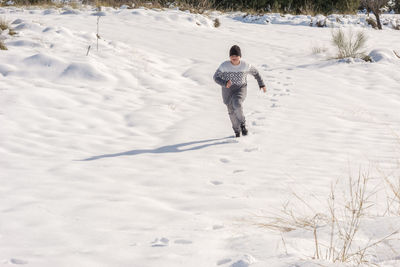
<point x="232" y="76"/>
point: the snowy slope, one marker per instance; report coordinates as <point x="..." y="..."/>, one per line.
<point x="125" y="157"/>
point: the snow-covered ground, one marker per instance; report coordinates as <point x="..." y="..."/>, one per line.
<point x="125" y="156"/>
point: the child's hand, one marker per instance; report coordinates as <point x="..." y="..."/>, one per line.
<point x="228" y="84"/>
<point x="264" y="89"/>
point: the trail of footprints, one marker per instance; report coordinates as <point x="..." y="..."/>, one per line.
<point x="245" y="262"/>
<point x="280" y="88"/>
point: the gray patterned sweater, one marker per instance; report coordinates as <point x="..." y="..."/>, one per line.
<point x="238" y="76"/>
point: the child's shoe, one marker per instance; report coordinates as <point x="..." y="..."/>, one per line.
<point x="237" y="134"/>
<point x="243" y="128"/>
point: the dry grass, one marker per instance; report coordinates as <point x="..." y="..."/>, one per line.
<point x="342" y="221"/>
<point x="217" y="23"/>
<point x="12" y="32"/>
<point x="3" y="24"/>
<point x="393" y="198"/>
<point x="372" y="22"/>
<point x="318" y="50"/>
<point x="349" y="45"/>
<point x="2" y="45"/>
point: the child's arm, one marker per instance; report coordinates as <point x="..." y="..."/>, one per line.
<point x="218" y="78"/>
<point x="253" y="71"/>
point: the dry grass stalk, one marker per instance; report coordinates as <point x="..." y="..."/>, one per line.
<point x="397" y="54"/>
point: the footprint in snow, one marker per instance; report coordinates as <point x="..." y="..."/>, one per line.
<point x="217" y="227"/>
<point x="17" y="261"/>
<point x="251" y="149"/>
<point x="274" y="105"/>
<point x="216" y="182"/>
<point x="162" y="242"/>
<point x="223" y="261"/>
<point x="183" y="241"/>
<point x="240" y="263"/>
<point x="237" y="171"/>
<point x="224" y="160"/>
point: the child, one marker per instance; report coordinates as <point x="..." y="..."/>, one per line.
<point x="232" y="76"/>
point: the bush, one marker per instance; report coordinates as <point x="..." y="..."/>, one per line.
<point x="349" y="46"/>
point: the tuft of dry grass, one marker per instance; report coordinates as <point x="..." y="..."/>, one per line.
<point x="318" y="50"/>
<point x="372" y="22"/>
<point x="349" y="45"/>
<point x="12" y="32"/>
<point x="217" y="23"/>
<point x="3" y="24"/>
<point x="342" y="220"/>
<point x="2" y="45"/>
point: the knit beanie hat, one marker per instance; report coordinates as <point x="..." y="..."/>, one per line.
<point x="235" y="51"/>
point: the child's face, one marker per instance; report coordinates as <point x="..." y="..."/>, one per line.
<point x="235" y="60"/>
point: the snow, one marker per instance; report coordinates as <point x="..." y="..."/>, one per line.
<point x="125" y="156"/>
<point x="333" y="21"/>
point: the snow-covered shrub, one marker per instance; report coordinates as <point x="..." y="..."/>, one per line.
<point x="349" y="45"/>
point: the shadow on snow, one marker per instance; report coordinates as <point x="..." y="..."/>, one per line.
<point x="169" y="149"/>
